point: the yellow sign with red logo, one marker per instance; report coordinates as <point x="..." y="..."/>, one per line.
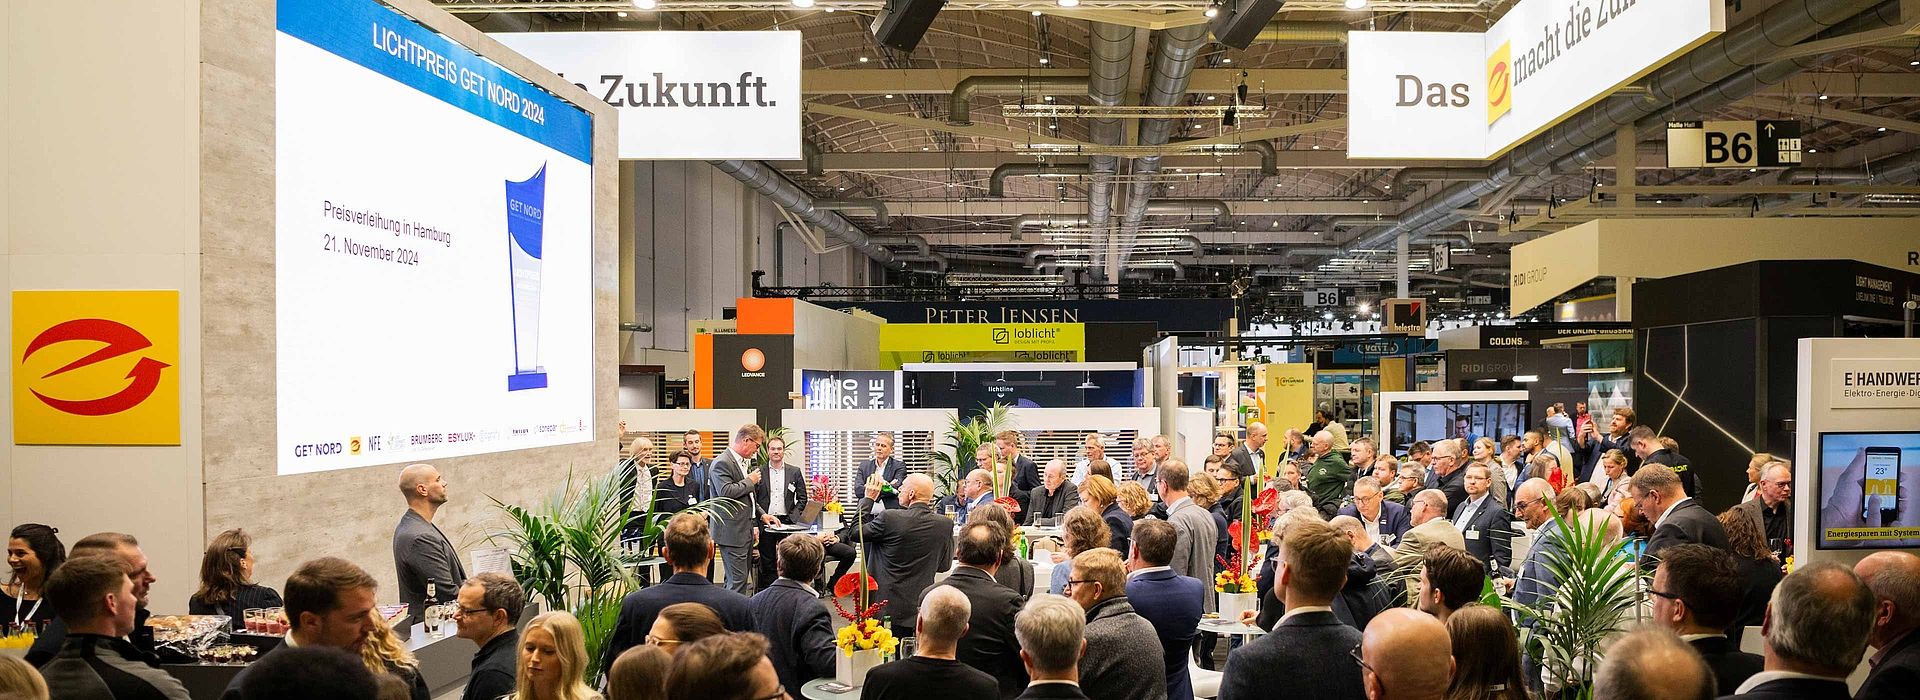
<point x="1500" y="82"/>
<point x="96" y="367"/>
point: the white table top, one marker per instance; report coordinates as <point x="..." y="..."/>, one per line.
<point x="812" y="691"/>
<point x="1232" y="627"/>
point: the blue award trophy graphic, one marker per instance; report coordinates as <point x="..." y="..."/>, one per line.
<point x="526" y="216"/>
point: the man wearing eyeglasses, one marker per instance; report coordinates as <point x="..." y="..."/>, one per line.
<point x="489" y="607"/>
<point x="1690" y="597"/>
<point x="1657" y="489"/>
<point x="1776" y="505"/>
<point x="733" y="475"/>
<point x="1449" y="477"/>
<point x="1536" y="579"/>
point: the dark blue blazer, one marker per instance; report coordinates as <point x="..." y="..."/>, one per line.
<point x="1173" y="605"/>
<point x="1796" y="689"/>
<point x="799" y="632"/>
<point x="895" y="473"/>
<point x="1897" y="675"/>
<point x="989" y="644"/>
<point x="1307" y="651"/>
<point x="1493" y="542"/>
<point x="638" y="609"/>
<point x="1394" y="520"/>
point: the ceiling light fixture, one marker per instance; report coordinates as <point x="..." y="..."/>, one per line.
<point x="646" y="4"/>
<point x="863" y="59"/>
<point x="1211" y="12"/>
<point x="802" y="4"/>
<point x="1356" y="4"/>
<point x="1883" y="128"/>
<point x="889" y="95"/>
<point x="1067" y="3"/>
<point x="1823" y="95"/>
<point x="1227" y="59"/>
<point x="1044" y="60"/>
<point x="620" y="14"/>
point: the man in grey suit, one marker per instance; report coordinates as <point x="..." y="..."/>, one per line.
<point x="1193" y="527"/>
<point x="1534" y="579"/>
<point x="421" y="552"/>
<point x="1304" y="648"/>
<point x="913" y="542"/>
<point x="1247" y="459"/>
<point x="732" y="475"/>
<point x="1657" y="489"/>
<point x="1123" y="660"/>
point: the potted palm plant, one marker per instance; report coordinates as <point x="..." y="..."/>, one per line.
<point x="1596" y="594"/>
<point x="964" y="438"/>
<point x="567" y="551"/>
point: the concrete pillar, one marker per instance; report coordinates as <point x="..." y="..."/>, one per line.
<point x="1402" y="288"/>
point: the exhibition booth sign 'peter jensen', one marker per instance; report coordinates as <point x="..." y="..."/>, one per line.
<point x="1474" y="96"/>
<point x="434" y="235"/>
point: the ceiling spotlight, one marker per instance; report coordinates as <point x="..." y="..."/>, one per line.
<point x="863" y="59"/>
<point x="829" y="9"/>
<point x="645" y="4"/>
<point x="619" y="14"/>
<point x="1365" y="307"/>
<point x="1823" y="95"/>
<point x="1212" y="11"/>
<point x="1053" y="126"/>
<point x="1036" y="13"/>
<point x="1044" y="60"/>
<point x="1813" y="150"/>
<point x="1328" y="316"/>
<point x="1211" y="98"/>
<point x="1226" y="59"/>
<point x="1316" y="147"/>
<point x="1068" y="3"/>
<point x="802" y="4"/>
<point x="1048" y="98"/>
<point x="1883" y="128"/>
<point x="1356" y="4"/>
<point x="889" y="95"/>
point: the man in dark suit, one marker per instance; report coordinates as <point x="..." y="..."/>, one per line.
<point x="1656" y="489"/>
<point x="1026" y="474"/>
<point x="1816" y="631"/>
<point x="1894" y="578"/>
<point x="913" y="543"/>
<point x="1652" y="663"/>
<point x="1302" y="651"/>
<point x="688" y="550"/>
<point x="1170" y="602"/>
<point x="732" y="475"/>
<point x="421" y="552"/>
<point x="1386" y="521"/>
<point x="1249" y="458"/>
<point x="789" y="614"/>
<point x="1052" y="634"/>
<point x="691" y="442"/>
<point x="891" y="469"/>
<point x="1487" y="527"/>
<point x="1448" y="473"/>
<point x="779" y="498"/>
<point x="1653" y="449"/>
<point x="1055" y="496"/>
<point x="1690" y="598"/>
<point x="988" y="644"/>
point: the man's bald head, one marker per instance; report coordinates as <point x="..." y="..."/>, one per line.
<point x="1894" y="578"/>
<point x="1323" y="441"/>
<point x="422" y="483"/>
<point x="1403" y="648"/>
<point x="916" y="488"/>
<point x="1653" y="664"/>
<point x="943" y="617"/>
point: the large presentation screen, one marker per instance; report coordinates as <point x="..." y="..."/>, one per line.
<point x="1866" y="487"/>
<point x="1417" y="421"/>
<point x="433" y="247"/>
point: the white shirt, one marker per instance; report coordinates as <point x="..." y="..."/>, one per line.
<point x="1669" y="511"/>
<point x="1770" y="676"/>
<point x="776" y="499"/>
<point x="1079" y="471"/>
<point x="1149" y="569"/>
<point x="1691" y="638"/>
<point x="1303" y="610"/>
<point x="1472" y="509"/>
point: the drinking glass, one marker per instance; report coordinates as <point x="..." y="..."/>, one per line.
<point x="432" y="617"/>
<point x="907" y="645"/>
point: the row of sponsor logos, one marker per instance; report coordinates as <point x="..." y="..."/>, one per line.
<point x="426" y="442"/>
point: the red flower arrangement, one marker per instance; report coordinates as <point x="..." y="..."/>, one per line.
<point x="850" y="586"/>
<point x="1010" y="503"/>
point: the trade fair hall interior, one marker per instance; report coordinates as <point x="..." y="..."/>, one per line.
<point x="924" y="349"/>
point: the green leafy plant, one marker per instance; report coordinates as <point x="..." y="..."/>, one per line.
<point x="1595" y="595"/>
<point x="964" y="438"/>
<point x="567" y="553"/>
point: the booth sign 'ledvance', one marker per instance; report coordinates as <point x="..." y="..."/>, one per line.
<point x="917" y="337"/>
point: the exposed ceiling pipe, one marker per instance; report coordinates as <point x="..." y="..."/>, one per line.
<point x="790" y="197"/>
<point x="1824" y="176"/>
<point x="1304" y="33"/>
<point x="1269" y="160"/>
<point x="1403" y="180"/>
<point x="1173" y="61"/>
<point x="1191" y="245"/>
<point x="1112" y="65"/>
<point x="997" y="182"/>
<point x="1466" y="281"/>
<point x="919" y="244"/>
<point x="879" y="208"/>
<point x="1035" y="253"/>
<point x="938" y="260"/>
<point x="960" y="103"/>
<point x="1021" y="222"/>
<point x="1707" y="77"/>
<point x="1222" y="214"/>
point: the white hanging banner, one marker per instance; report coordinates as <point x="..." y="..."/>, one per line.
<point x="1474" y="96"/>
<point x="684" y="95"/>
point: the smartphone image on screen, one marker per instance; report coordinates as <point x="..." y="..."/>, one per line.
<point x="1882" y="483"/>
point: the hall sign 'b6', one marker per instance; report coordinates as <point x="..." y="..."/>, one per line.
<point x="1733" y="144"/>
<point x="1473" y="96"/>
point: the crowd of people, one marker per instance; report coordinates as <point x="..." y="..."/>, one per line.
<point x="1371" y="584"/>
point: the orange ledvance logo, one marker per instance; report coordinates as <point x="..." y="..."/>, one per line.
<point x="1500" y="83"/>
<point x="96" y="367"/>
<point x="753" y="360"/>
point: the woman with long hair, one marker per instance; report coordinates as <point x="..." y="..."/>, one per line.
<point x="226" y="580"/>
<point x="681" y="624"/>
<point x="1099" y="495"/>
<point x="1486" y="656"/>
<point x="1085" y="529"/>
<point x="33" y="552"/>
<point x="553" y="660"/>
<point x="1014" y="573"/>
<point x="1759" y="569"/>
<point x="385" y="653"/>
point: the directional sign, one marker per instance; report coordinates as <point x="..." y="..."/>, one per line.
<point x="1321" y="297"/>
<point x="1732" y="144"/>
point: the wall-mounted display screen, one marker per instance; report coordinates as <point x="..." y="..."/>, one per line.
<point x="1415" y="421"/>
<point x="433" y="247"/>
<point x="1863" y="478"/>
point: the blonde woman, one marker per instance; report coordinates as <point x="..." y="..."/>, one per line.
<point x="18" y="680"/>
<point x="553" y="660"/>
<point x="1134" y="500"/>
<point x="384" y="653"/>
<point x="1098" y="493"/>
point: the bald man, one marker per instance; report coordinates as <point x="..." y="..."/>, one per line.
<point x="1401" y="654"/>
<point x="1894" y="578"/>
<point x="1653" y="664"/>
<point x="912" y="543"/>
<point x="421" y="553"/>
<point x="1250" y="457"/>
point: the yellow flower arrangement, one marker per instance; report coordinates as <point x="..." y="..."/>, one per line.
<point x="834" y="507"/>
<point x="866" y="635"/>
<point x="1233" y="580"/>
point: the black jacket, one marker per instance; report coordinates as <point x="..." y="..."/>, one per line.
<point x="989" y="644"/>
<point x="1490" y="536"/>
<point x="1689" y="479"/>
<point x="93" y="667"/>
<point x="251" y="595"/>
<point x="798" y="630"/>
<point x="1689" y="522"/>
<point x="1795" y="689"/>
<point x="1053" y="691"/>
<point x="1303" y="651"/>
<point x="494" y="668"/>
<point x="912" y="543"/>
<point x="895" y="473"/>
<point x="1026" y="478"/>
<point x="47" y="645"/>
<point x="639" y="608"/>
<point x="1898" y="673"/>
<point x="793" y="488"/>
<point x="1729" y="664"/>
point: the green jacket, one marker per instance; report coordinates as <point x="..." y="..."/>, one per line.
<point x="1326" y="480"/>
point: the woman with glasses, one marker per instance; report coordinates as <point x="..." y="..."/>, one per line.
<point x="553" y="660"/>
<point x="226" y="580"/>
<point x="1085" y="529"/>
<point x="678" y="491"/>
<point x="681" y="624"/>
